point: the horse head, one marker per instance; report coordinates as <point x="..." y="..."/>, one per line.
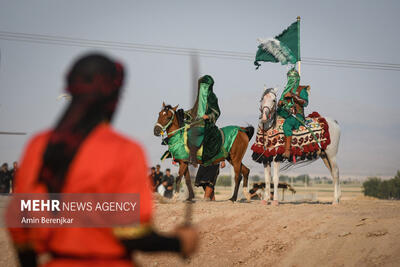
<point x="268" y="107"/>
<point x="165" y="119"/>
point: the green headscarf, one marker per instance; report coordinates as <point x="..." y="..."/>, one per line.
<point x="292" y="84"/>
<point x="205" y="89"/>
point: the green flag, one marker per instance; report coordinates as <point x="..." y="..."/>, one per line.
<point x="284" y="48"/>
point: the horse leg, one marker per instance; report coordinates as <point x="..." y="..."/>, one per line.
<point x="267" y="174"/>
<point x="238" y="179"/>
<point x="331" y="164"/>
<point x="276" y="183"/>
<point x="331" y="152"/>
<point x="188" y="183"/>
<point x="178" y="179"/>
<point x="236" y="155"/>
<point x="245" y="171"/>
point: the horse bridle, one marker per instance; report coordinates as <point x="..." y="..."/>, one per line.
<point x="270" y="110"/>
<point x="166" y="126"/>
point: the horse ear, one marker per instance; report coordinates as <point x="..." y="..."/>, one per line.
<point x="276" y="90"/>
<point x="163" y="104"/>
<point x="175" y="108"/>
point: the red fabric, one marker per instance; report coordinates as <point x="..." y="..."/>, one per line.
<point x="105" y="163"/>
<point x="279" y="150"/>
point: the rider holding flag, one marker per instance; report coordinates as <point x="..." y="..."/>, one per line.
<point x="291" y="107"/>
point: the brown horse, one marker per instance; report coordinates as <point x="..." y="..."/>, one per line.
<point x="168" y="121"/>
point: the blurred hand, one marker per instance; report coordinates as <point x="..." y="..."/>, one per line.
<point x="223" y="164"/>
<point x="189" y="239"/>
<point x="205" y="117"/>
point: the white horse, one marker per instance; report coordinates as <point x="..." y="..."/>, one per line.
<point x="268" y="118"/>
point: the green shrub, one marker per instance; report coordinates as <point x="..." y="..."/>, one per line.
<point x="388" y="189"/>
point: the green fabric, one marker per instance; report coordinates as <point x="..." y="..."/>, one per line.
<point x="179" y="150"/>
<point x="196" y="135"/>
<point x="291" y="86"/>
<point x="289" y="39"/>
<point x="206" y="132"/>
<point x="203" y="95"/>
<point x="230" y="133"/>
<point x="304" y="96"/>
<point x="207" y="79"/>
<point x="212" y="141"/>
<point x="212" y="110"/>
<point x="291" y="124"/>
<point x="176" y="145"/>
<point x="282" y="111"/>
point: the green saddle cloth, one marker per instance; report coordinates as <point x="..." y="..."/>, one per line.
<point x="217" y="144"/>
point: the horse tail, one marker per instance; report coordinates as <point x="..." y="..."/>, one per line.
<point x="249" y="130"/>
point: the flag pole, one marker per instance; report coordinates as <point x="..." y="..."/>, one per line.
<point x="298" y="44"/>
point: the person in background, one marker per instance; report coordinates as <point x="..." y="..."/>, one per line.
<point x="13" y="173"/>
<point x="66" y="159"/>
<point x="153" y="178"/>
<point x="158" y="176"/>
<point x="168" y="182"/>
<point x="257" y="191"/>
<point x="5" y="179"/>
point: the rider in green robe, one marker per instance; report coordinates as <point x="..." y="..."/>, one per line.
<point x="204" y="115"/>
<point x="292" y="103"/>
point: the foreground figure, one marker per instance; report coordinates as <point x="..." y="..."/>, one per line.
<point x="194" y="133"/>
<point x="315" y="137"/>
<point x="83" y="154"/>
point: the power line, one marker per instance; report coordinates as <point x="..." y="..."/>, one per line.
<point x="172" y="50"/>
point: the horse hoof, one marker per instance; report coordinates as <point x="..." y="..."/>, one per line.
<point x="190" y="200"/>
<point x="275" y="203"/>
<point x="335" y="203"/>
<point x="231" y="199"/>
<point x="264" y="202"/>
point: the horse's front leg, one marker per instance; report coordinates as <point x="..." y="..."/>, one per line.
<point x="238" y="179"/>
<point x="276" y="183"/>
<point x="267" y="174"/>
<point x="178" y="179"/>
<point x="189" y="184"/>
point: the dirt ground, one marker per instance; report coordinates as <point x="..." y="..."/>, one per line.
<point x="357" y="232"/>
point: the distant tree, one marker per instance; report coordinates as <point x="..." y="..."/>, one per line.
<point x="284" y="178"/>
<point x="388" y="189"/>
<point x="371" y="186"/>
<point x="303" y="178"/>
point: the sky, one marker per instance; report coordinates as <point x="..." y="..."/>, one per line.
<point x="364" y="102"/>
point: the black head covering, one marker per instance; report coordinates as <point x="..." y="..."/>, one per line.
<point x="94" y="82"/>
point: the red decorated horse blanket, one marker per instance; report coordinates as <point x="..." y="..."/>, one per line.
<point x="272" y="142"/>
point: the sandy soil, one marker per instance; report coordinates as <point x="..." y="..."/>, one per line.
<point x="358" y="232"/>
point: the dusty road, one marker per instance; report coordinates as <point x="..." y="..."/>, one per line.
<point x="358" y="232"/>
